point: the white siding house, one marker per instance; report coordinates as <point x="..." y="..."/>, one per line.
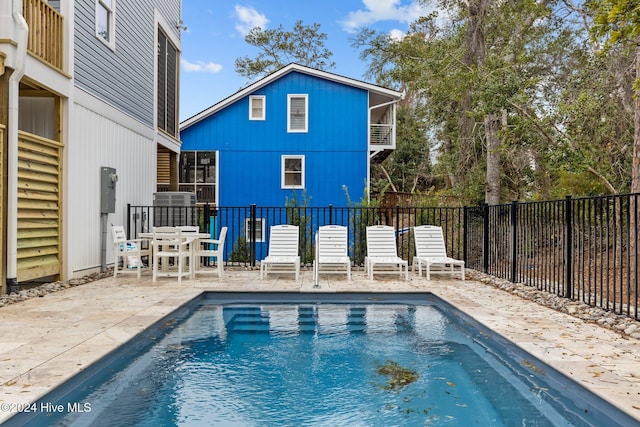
<point x="84" y="84"/>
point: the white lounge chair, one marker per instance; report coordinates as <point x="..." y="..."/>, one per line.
<point x="431" y="253"/>
<point x="332" y="251"/>
<point x="169" y="244"/>
<point x="382" y="252"/>
<point x="213" y="250"/>
<point x="283" y="251"/>
<point x="130" y="250"/>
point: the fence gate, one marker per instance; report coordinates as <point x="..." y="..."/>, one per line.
<point x="39" y="248"/>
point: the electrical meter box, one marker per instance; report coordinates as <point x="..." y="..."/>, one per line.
<point x="108" y="179"/>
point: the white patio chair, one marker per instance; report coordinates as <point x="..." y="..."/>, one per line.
<point x="189" y="228"/>
<point x="283" y="251"/>
<point x="130" y="250"/>
<point x="431" y="253"/>
<point x="332" y="251"/>
<point x="382" y="252"/>
<point x="212" y="249"/>
<point x="169" y="245"/>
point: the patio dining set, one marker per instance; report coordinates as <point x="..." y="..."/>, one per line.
<point x="182" y="251"/>
<point x="187" y="252"/>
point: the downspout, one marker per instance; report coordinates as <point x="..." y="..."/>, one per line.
<point x="12" y="147"/>
<point x="384" y="104"/>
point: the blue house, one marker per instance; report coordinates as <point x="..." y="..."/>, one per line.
<point x="296" y="130"/>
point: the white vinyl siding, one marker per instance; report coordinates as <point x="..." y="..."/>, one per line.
<point x="297" y="109"/>
<point x="293" y="172"/>
<point x="257" y="107"/>
<point x="107" y="142"/>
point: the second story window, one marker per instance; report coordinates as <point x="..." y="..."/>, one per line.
<point x="257" y="107"/>
<point x="297" y="107"/>
<point x="105" y="21"/>
<point x="167" y="85"/>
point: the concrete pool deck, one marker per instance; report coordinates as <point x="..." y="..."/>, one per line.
<point x="45" y="341"/>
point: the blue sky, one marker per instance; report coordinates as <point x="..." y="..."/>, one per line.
<point x="216" y="28"/>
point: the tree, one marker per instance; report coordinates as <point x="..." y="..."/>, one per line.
<point x="304" y="45"/>
<point x="617" y="22"/>
<point x="407" y="169"/>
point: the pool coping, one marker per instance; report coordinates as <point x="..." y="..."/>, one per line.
<point x="45" y="341"/>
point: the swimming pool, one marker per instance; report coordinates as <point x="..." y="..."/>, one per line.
<point x="322" y="359"/>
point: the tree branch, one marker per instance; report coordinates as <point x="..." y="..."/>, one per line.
<point x="549" y="138"/>
<point x="393" y="187"/>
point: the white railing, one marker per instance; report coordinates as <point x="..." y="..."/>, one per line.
<point x="382" y="136"/>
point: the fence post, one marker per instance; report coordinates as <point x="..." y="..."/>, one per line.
<point x="252" y="244"/>
<point x="568" y="247"/>
<point x="129" y="222"/>
<point x="514" y="240"/>
<point x="485" y="237"/>
<point x="206" y="220"/>
<point x="330" y="214"/>
<point x="465" y="232"/>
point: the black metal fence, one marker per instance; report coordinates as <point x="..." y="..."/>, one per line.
<point x="583" y="249"/>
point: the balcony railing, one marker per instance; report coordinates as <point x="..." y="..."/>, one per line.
<point x="381" y="136"/>
<point x="45" y="31"/>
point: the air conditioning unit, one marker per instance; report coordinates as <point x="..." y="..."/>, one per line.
<point x="174" y="208"/>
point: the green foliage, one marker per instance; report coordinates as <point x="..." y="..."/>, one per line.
<point x="617" y="21"/>
<point x="582" y="183"/>
<point x="359" y="219"/>
<point x="303" y="45"/>
<point x="240" y="251"/>
<point x="297" y="215"/>
<point x="409" y="166"/>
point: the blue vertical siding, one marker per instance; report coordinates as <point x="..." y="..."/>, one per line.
<point x="335" y="146"/>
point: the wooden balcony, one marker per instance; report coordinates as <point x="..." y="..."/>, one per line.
<point x="45" y="31"/>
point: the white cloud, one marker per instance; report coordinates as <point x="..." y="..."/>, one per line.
<point x="199" y="66"/>
<point x="382" y="10"/>
<point x="249" y="18"/>
<point x="397" y="35"/>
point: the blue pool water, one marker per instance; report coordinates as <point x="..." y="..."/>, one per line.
<point x="242" y="360"/>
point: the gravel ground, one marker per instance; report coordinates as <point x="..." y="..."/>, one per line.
<point x="617" y="322"/>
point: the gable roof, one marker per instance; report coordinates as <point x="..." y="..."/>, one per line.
<point x="384" y="94"/>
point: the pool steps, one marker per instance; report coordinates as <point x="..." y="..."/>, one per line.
<point x="258" y="320"/>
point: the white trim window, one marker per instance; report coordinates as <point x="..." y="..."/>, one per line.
<point x="293" y="172"/>
<point x="167" y="84"/>
<point x="257" y="107"/>
<point x="105" y="21"/>
<point x="259" y="229"/>
<point x="297" y="113"/>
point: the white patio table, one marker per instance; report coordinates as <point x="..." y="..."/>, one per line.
<point x="193" y="238"/>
